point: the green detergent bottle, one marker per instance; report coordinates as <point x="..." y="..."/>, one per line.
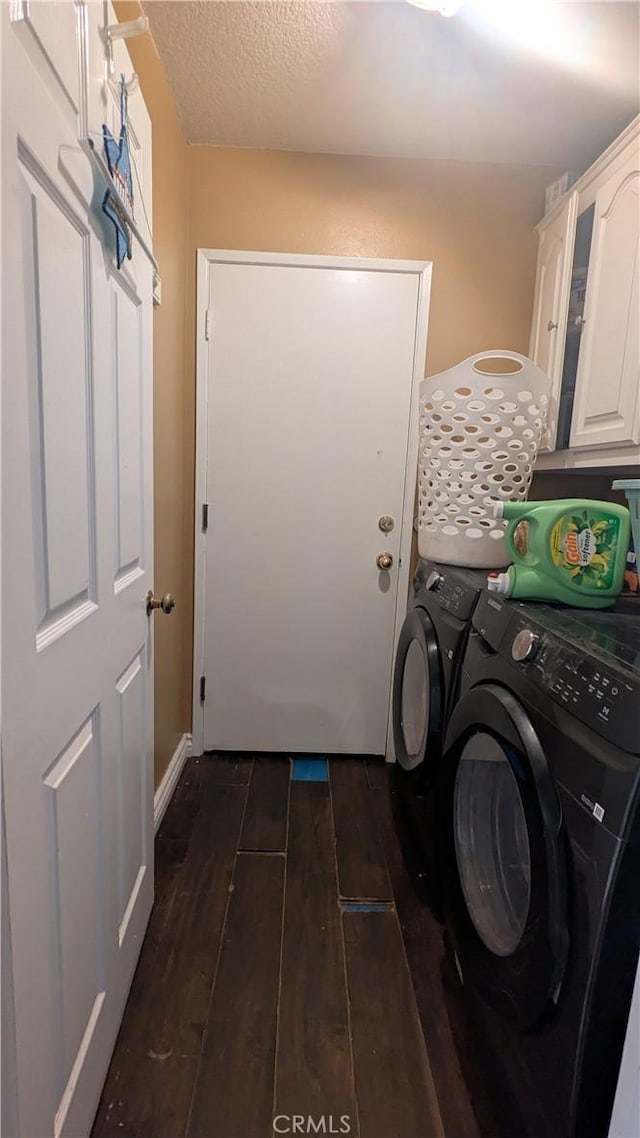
<point x="572" y="550"/>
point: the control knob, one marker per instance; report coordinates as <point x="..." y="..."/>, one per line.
<point x="433" y="580"/>
<point x="525" y="645"/>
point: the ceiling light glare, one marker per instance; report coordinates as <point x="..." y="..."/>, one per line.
<point x="538" y="25"/>
<point x="444" y="7"/>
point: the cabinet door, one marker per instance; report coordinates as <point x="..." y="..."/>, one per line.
<point x="551" y="305"/>
<point x="607" y="400"/>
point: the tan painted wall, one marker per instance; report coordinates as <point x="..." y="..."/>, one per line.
<point x="173" y="387"/>
<point x="475" y="222"/>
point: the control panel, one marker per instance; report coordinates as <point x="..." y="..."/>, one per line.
<point x="605" y="699"/>
<point x="455" y="596"/>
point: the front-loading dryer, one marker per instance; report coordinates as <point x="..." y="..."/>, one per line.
<point x="541" y="843"/>
<point x="428" y="656"/>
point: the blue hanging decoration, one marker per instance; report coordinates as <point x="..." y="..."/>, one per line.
<point x="119" y="163"/>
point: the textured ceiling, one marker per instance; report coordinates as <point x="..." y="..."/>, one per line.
<point x="390" y="79"/>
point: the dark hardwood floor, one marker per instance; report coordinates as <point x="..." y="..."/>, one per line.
<point x="288" y="968"/>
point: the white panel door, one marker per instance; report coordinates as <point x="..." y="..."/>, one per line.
<point x="551" y="306"/>
<point x="77" y="545"/>
<point x="607" y="399"/>
<point x="309" y="424"/>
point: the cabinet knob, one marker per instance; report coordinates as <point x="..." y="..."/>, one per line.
<point x="551" y="326"/>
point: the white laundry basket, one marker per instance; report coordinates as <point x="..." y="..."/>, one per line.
<point x="479" y="438"/>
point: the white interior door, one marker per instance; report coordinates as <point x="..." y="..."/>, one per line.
<point x="77" y="546"/>
<point x="311" y="437"/>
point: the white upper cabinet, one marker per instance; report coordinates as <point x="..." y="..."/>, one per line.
<point x="585" y="330"/>
<point x="551" y="304"/>
<point x="606" y="410"/>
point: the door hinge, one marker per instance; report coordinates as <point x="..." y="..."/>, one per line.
<point x="205" y="517"/>
<point x="203" y="688"/>
<point x="207" y="324"/>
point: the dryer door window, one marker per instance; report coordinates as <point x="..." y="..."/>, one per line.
<point x="492" y="846"/>
<point x="506" y="856"/>
<point x="414" y="717"/>
<point x="417" y="693"/>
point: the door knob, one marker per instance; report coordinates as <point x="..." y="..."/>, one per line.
<point x="551" y="326"/>
<point x="384" y="561"/>
<point x="167" y="603"/>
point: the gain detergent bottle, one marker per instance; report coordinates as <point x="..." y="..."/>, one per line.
<point x="572" y="550"/>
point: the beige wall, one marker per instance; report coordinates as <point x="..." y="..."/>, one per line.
<point x="475" y="222"/>
<point x="173" y="386"/>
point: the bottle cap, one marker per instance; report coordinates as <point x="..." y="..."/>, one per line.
<point x="499" y="583"/>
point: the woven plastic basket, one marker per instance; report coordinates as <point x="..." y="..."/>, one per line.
<point x="479" y="437"/>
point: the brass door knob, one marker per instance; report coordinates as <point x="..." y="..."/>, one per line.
<point x="384" y="561"/>
<point x="167" y="603"/>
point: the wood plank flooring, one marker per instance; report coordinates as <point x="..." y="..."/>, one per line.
<point x="362" y="869"/>
<point x="396" y="1093"/>
<point x="314" y="1070"/>
<point x="280" y="969"/>
<point x="265" y="820"/>
<point x="235" y="1081"/>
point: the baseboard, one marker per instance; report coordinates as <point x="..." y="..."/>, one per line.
<point x="164" y="793"/>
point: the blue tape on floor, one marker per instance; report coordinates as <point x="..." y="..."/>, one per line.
<point x="310" y="770"/>
<point x="367" y="906"/>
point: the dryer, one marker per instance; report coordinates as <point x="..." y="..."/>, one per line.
<point x="542" y="847"/>
<point x="428" y="656"/>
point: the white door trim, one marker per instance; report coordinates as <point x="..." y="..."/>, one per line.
<point x="205" y="259"/>
<point x="9" y="1116"/>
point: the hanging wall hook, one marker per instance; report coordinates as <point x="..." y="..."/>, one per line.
<point x="132" y="86"/>
<point x="123" y="31"/>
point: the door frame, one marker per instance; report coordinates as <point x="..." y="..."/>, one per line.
<point x="206" y="258"/>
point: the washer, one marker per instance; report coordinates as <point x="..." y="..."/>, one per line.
<point x="428" y="658"/>
<point x="542" y="843"/>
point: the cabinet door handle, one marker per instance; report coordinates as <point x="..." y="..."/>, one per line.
<point x="551" y="326"/>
